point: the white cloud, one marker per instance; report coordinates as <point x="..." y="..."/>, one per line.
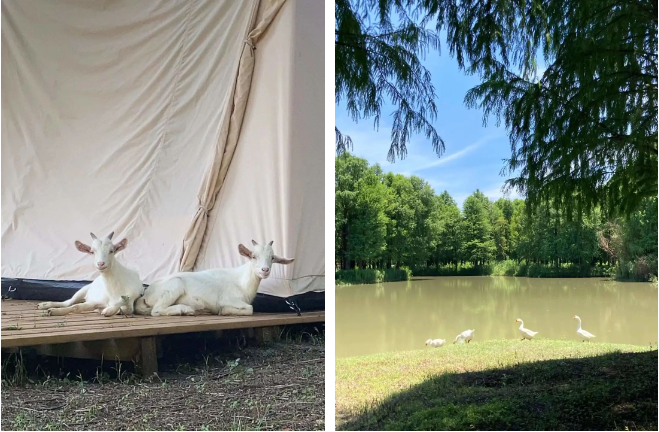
<point x="459" y="154"/>
<point x="496" y="191"/>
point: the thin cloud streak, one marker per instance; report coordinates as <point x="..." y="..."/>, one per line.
<point x="457" y="155"/>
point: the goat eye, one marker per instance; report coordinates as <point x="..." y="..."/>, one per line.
<point x="111" y="251"/>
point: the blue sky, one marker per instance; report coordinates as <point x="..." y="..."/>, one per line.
<point x="474" y="153"/>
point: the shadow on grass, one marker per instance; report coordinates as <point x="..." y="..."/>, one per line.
<point x="615" y="391"/>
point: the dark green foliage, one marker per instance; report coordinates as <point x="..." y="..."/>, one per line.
<point x="378" y="60"/>
<point x="583" y="130"/>
<point x="478" y="244"/>
<point x="386" y="221"/>
<point x="371" y="276"/>
<point x="632" y="242"/>
<point x="522" y="269"/>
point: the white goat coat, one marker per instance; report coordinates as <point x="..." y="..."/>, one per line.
<point x="207" y="290"/>
<point x="109" y="287"/>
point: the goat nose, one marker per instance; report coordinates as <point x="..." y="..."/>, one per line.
<point x="100" y="264"/>
<point x="265" y="269"/>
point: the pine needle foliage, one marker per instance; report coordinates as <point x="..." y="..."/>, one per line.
<point x="378" y="51"/>
<point x="583" y="132"/>
<point x="582" y="129"/>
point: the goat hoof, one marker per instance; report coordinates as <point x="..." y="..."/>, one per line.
<point x="42" y="306"/>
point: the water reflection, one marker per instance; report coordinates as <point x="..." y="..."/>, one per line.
<point x="402" y="315"/>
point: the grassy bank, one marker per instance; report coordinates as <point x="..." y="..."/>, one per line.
<point x="371" y="276"/>
<point x="500" y="385"/>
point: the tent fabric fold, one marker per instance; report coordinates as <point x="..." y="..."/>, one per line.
<point x="229" y="133"/>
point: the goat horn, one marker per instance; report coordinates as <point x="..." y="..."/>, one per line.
<point x="270" y="244"/>
<point x="110" y="236"/>
<point x="254" y="243"/>
<point x="93" y="236"/>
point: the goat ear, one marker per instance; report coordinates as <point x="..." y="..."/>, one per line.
<point x="93" y="236"/>
<point x="270" y="244"/>
<point x="254" y="243"/>
<point x="110" y="235"/>
<point x="278" y="260"/>
<point x="83" y="247"/>
<point x="120" y="246"/>
<point x="244" y="251"/>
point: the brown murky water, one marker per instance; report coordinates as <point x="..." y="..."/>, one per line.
<point x="399" y="316"/>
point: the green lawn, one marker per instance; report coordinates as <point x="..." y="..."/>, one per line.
<point x="501" y="385"/>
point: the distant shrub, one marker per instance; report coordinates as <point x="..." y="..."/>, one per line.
<point x="453" y="270"/>
<point x="514" y="268"/>
<point x="371" y="276"/>
<point x="395" y="275"/>
<point x="642" y="269"/>
<point x="505" y="268"/>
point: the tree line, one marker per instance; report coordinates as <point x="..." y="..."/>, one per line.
<point x="385" y="220"/>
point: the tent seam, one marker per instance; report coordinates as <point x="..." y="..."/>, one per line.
<point x="210" y="223"/>
<point x="168" y="117"/>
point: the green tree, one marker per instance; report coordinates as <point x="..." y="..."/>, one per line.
<point x="367" y="237"/>
<point x="632" y="242"/>
<point x="449" y="240"/>
<point x="478" y="244"/>
<point x="402" y="220"/>
<point x="583" y="131"/>
<point x="519" y="221"/>
<point x="426" y="227"/>
<point x="349" y="170"/>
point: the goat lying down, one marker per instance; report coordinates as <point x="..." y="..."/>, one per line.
<point x="115" y="290"/>
<point x="228" y="291"/>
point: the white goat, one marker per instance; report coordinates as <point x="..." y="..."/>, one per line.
<point x="115" y="289"/>
<point x="227" y="291"/>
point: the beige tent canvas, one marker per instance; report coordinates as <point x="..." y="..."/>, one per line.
<point x="186" y="126"/>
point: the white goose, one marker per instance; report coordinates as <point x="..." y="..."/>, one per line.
<point x="435" y="342"/>
<point x="526" y="333"/>
<point x="581" y="332"/>
<point x="465" y="335"/>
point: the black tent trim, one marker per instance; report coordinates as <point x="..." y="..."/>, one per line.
<point x="50" y="290"/>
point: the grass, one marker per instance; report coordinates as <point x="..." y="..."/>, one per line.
<point x="501" y="385"/>
<point x="204" y="383"/>
<point x="371" y="276"/>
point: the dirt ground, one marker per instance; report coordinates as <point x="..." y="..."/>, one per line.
<point x="274" y="386"/>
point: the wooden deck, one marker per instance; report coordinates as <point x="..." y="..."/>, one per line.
<point x="24" y="325"/>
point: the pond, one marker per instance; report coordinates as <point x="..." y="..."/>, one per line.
<point x="398" y="316"/>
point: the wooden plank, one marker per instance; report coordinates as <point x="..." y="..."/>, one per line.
<point x="36" y="320"/>
<point x="85" y="317"/>
<point x="175" y="320"/>
<point x="56" y="322"/>
<point x="28" y="325"/>
<point x="200" y="323"/>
